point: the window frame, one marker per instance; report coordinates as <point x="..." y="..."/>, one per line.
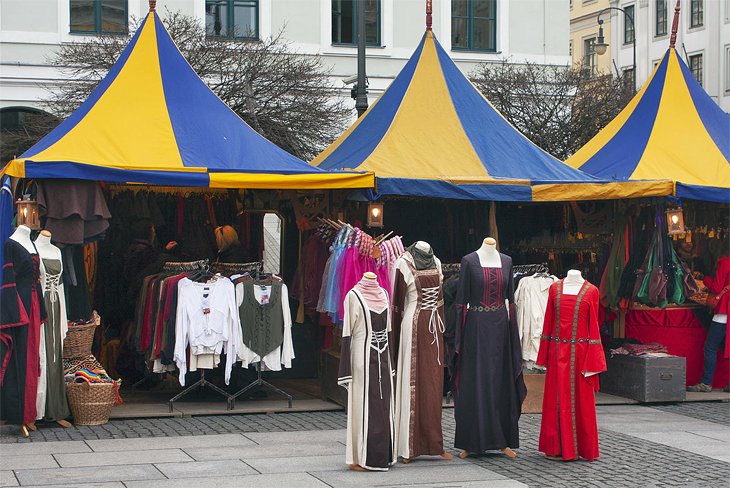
<point x="632" y="24"/>
<point x="378" y="25"/>
<point x="589" y="52"/>
<point x="698" y="13"/>
<point x="470" y="28"/>
<point x="701" y="57"/>
<point x="98" y="31"/>
<point x="665" y="18"/>
<point x="231" y="20"/>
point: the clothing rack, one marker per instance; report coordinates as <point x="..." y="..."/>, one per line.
<point x="527" y="269"/>
<point x="238" y="268"/>
<point x="259" y="381"/>
<point x="172" y="266"/>
<point x="201" y="383"/>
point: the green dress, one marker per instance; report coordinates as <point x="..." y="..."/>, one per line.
<point x="56" y="402"/>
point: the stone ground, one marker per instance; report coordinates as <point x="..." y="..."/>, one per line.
<point x="660" y="445"/>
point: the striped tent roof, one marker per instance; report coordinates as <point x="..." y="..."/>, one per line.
<point x="432" y="133"/>
<point x="672" y="130"/>
<point x="153" y="120"/>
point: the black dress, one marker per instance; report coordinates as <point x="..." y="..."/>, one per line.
<point x="489" y="387"/>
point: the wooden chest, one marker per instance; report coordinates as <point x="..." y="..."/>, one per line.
<point x="645" y="379"/>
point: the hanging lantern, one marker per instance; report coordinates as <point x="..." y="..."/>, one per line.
<point x="28" y="214"/>
<point x="675" y="221"/>
<point x="375" y="215"/>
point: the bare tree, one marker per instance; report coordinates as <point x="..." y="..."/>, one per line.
<point x="559" y="108"/>
<point x="285" y="96"/>
<point x="19" y="135"/>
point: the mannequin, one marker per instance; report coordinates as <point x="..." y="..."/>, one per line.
<point x="419" y="324"/>
<point x="366" y="371"/>
<point x="22" y="236"/>
<point x="573" y="282"/>
<point x="488" y="396"/>
<point x="51" y="387"/>
<point x="488" y="254"/>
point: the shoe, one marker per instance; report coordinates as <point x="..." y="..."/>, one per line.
<point x="700" y="387"/>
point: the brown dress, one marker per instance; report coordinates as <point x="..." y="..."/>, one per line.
<point x="418" y="305"/>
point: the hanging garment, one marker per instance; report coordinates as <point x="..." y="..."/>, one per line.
<point x="571" y="349"/>
<point x="490" y="387"/>
<point x="530" y="302"/>
<point x="266" y="322"/>
<point x="366" y="370"/>
<point x="418" y="315"/>
<point x="207" y="321"/>
<point x="55" y="405"/>
<point x="6" y="212"/>
<point x="21" y="316"/>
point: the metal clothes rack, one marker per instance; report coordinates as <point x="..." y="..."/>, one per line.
<point x="527" y="269"/>
<point x="201" y="383"/>
<point x="259" y="381"/>
<point x="240" y="268"/>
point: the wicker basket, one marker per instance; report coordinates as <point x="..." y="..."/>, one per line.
<point x="91" y="403"/>
<point x="80" y="338"/>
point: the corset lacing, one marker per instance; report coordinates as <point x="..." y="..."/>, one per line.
<point x="379" y="342"/>
<point x="430" y="302"/>
<point x="51" y="282"/>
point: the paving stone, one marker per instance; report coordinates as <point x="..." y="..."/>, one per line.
<point x="400" y="475"/>
<point x="7" y="478"/>
<point x="299" y="480"/>
<point x="118" y="458"/>
<point x="169" y="442"/>
<point x="33" y="448"/>
<point x="263" y="451"/>
<point x="298" y="464"/>
<point x="300" y="436"/>
<point x="70" y="476"/>
<point x="205" y="469"/>
<point x="27" y="462"/>
<point x="110" y="484"/>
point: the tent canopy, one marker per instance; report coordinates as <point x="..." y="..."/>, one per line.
<point x="672" y="130"/>
<point x="432" y="133"/>
<point x="153" y="120"/>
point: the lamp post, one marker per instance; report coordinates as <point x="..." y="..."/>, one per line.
<point x="360" y="90"/>
<point x="601" y="45"/>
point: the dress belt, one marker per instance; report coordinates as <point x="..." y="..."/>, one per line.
<point x="480" y="308"/>
<point x="570" y="341"/>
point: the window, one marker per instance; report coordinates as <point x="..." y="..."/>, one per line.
<point x="237" y="19"/>
<point x="660" y="18"/>
<point x="695" y="66"/>
<point x="696" y="13"/>
<point x="474" y="25"/>
<point x="727" y="69"/>
<point x="589" y="57"/>
<point x="344" y="22"/>
<point x="98" y="16"/>
<point x="629" y="36"/>
<point x="628" y="77"/>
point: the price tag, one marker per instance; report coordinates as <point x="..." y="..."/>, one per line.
<point x="264" y="297"/>
<point x="206" y="306"/>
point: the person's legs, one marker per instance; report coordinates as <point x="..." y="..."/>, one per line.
<point x="715" y="337"/>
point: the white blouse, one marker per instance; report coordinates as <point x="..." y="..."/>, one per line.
<point x="284" y="353"/>
<point x="207" y="320"/>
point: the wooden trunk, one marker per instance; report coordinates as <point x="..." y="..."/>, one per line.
<point x="328" y="378"/>
<point x="645" y="379"/>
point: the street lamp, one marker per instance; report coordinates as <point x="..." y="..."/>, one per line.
<point x="601" y="45"/>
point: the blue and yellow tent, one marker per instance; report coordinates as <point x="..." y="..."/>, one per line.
<point x="153" y="120"/>
<point x="671" y="130"/>
<point x="433" y="134"/>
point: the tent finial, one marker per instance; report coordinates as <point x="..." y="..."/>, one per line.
<point x="675" y="26"/>
<point x="429" y="11"/>
<point x="153" y="5"/>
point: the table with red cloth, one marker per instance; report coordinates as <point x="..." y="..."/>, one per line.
<point x="682" y="332"/>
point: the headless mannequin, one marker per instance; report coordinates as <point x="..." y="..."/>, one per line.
<point x="573" y="282"/>
<point x="46" y="250"/>
<point x="488" y="254"/>
<point x="22" y="237"/>
<point x="425" y="247"/>
<point x="489" y="258"/>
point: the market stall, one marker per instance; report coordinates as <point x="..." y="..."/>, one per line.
<point x="672" y="129"/>
<point x="153" y="154"/>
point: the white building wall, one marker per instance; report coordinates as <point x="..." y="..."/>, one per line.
<point x="534" y="30"/>
<point x="712" y="40"/>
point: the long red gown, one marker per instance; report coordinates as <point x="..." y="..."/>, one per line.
<point x="570" y="347"/>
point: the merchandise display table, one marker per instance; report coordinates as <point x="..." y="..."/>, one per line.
<point x="680" y="329"/>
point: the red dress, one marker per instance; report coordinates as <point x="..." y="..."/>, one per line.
<point x="571" y="346"/>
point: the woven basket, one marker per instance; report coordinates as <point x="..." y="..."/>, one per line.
<point x="91" y="403"/>
<point x="80" y="338"/>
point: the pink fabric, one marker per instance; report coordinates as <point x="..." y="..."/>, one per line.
<point x="373" y="294"/>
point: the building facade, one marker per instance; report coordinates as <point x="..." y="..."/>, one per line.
<point x="472" y="31"/>
<point x="703" y="40"/>
<point x="584" y="33"/>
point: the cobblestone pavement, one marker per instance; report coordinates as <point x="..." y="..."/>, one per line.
<point x="625" y="460"/>
<point x="717" y="412"/>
